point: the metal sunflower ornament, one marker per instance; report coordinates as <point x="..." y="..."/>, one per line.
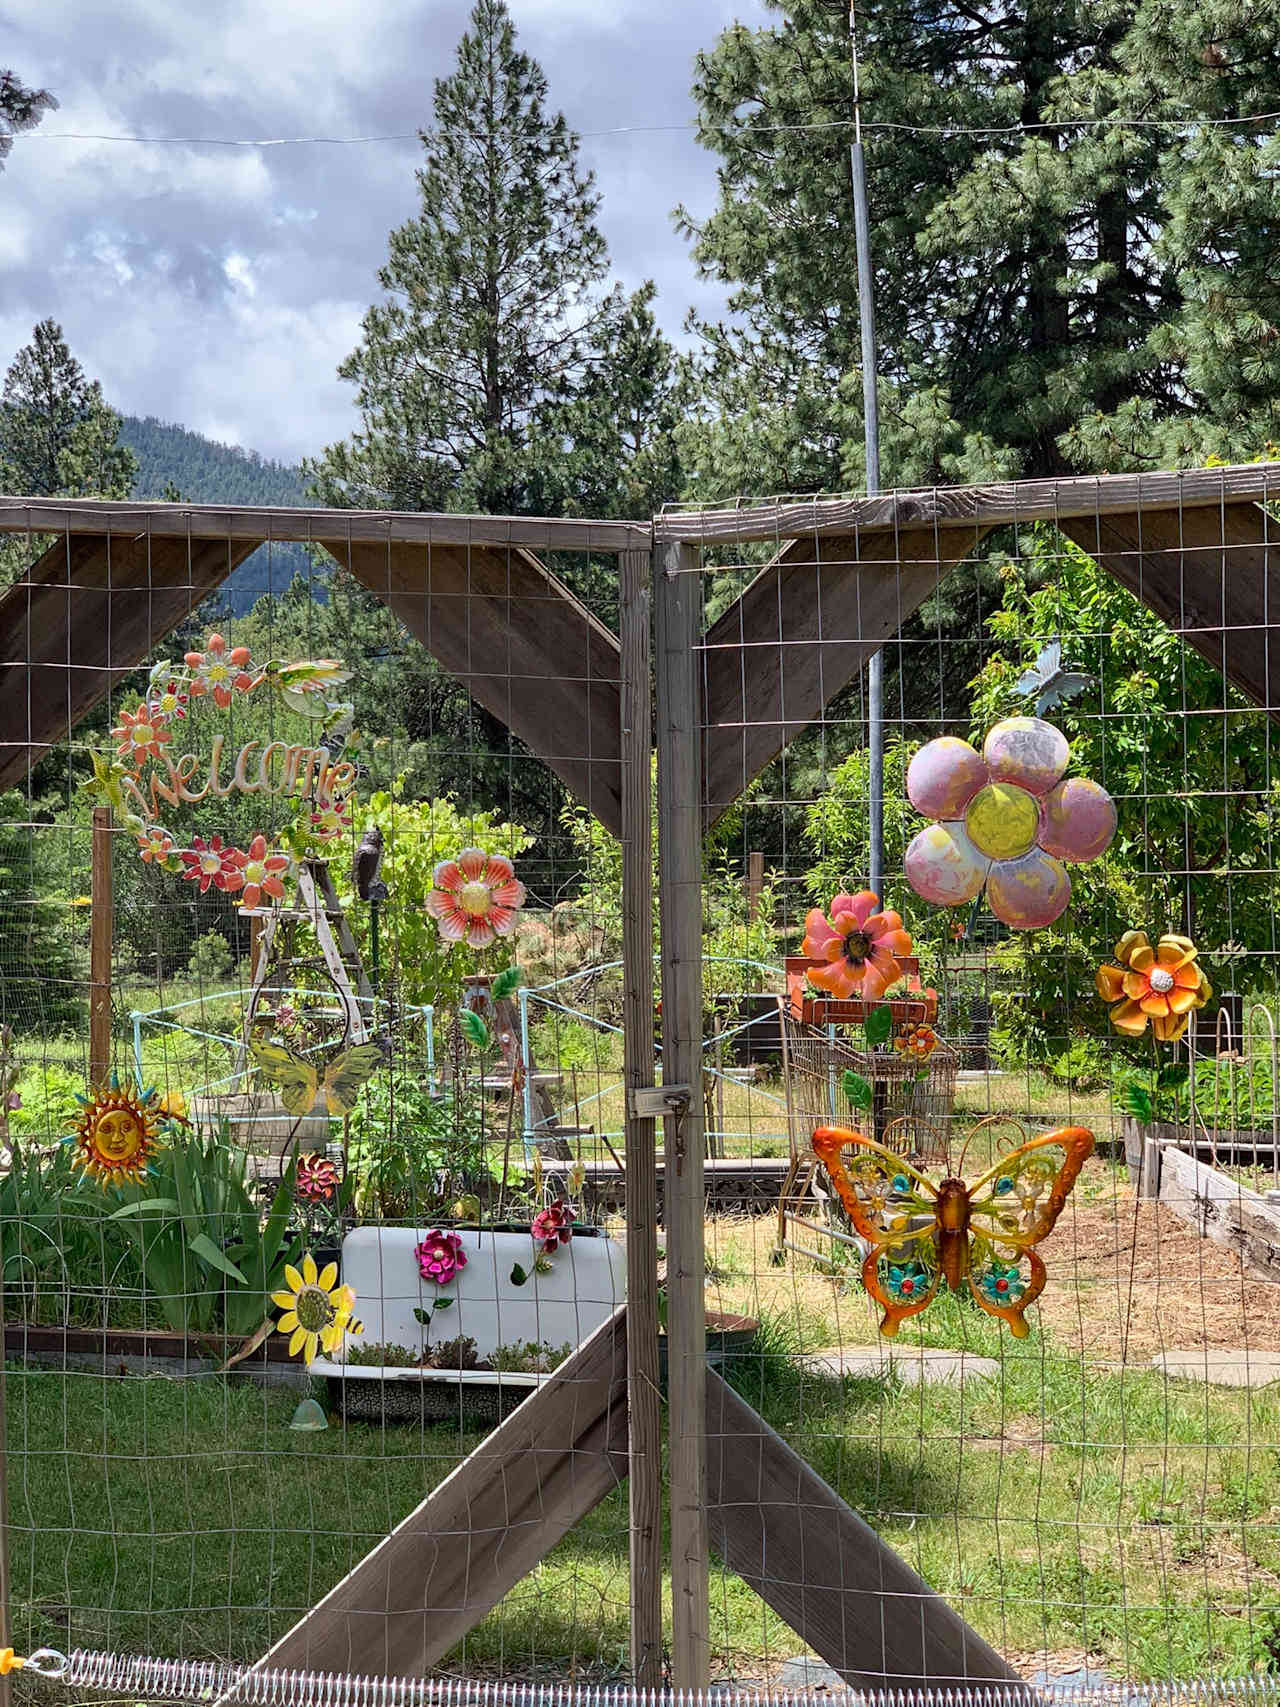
<point x="317" y="1311"/>
<point x="118" y="1132"/>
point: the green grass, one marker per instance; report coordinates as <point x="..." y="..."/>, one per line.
<point x="1058" y="1509"/>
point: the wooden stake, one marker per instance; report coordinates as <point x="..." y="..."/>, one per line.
<point x="678" y="601"/>
<point x="644" y="1408"/>
<point x="755" y="883"/>
<point x="100" y="934"/>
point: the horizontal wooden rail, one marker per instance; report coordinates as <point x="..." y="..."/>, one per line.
<point x="278" y="523"/>
<point x="981" y="507"/>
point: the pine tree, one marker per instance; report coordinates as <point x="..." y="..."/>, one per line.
<point x="20" y="109"/>
<point x="496" y="322"/>
<point x="1037" y="267"/>
<point x="58" y="438"/>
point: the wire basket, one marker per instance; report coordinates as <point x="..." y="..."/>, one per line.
<point x="912" y="1100"/>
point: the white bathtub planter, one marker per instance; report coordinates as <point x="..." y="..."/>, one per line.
<point x="565" y="1302"/>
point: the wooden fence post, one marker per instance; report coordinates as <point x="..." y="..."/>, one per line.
<point x="678" y="606"/>
<point x="644" y="1400"/>
<point x="100" y="933"/>
<point x="755" y="883"/>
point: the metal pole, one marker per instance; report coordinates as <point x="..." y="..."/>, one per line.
<point x="871" y="440"/>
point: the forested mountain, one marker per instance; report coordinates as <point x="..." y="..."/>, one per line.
<point x="207" y="472"/>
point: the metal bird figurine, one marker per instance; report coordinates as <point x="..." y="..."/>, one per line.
<point x="368" y="865"/>
<point x="1051" y="681"/>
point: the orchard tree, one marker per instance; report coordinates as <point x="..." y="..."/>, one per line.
<point x="481" y="378"/>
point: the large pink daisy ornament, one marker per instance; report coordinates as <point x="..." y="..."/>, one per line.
<point x="476" y="898"/>
<point x="1006" y="818"/>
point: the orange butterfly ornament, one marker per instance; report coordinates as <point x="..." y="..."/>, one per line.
<point x="982" y="1237"/>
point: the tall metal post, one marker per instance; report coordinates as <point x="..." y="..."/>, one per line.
<point x="871" y="440"/>
<point x="678" y="609"/>
<point x="644" y="1401"/>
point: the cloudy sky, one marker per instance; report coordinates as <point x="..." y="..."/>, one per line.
<point x="219" y="287"/>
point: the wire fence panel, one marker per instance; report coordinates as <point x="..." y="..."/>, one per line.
<point x="330" y="878"/>
<point x="352" y="917"/>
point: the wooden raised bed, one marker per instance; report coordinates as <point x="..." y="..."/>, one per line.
<point x="59" y="1348"/>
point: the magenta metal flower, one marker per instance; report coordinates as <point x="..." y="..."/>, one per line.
<point x="476" y="898"/>
<point x="552" y="1226"/>
<point x="1007" y="819"/>
<point x="440" y="1256"/>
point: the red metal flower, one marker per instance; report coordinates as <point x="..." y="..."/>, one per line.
<point x="166" y="703"/>
<point x="476" y="897"/>
<point x="317" y="1178"/>
<point x="552" y="1226"/>
<point x="210" y="863"/>
<point x="856" y="954"/>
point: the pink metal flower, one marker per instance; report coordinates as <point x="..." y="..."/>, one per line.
<point x="155" y="844"/>
<point x="476" y="898"/>
<point x="139" y="735"/>
<point x="330" y="821"/>
<point x="1006" y="819"/>
<point x="168" y="703"/>
<point x="263" y="873"/>
<point x="552" y="1226"/>
<point x="219" y="672"/>
<point x="316" y="1180"/>
<point x="440" y="1256"/>
<point x="856" y="953"/>
<point x="210" y="863"/>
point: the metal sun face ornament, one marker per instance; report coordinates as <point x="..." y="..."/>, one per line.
<point x="117" y="1133"/>
<point x="979" y="1238"/>
<point x="317" y="1310"/>
<point x="1006" y="819"/>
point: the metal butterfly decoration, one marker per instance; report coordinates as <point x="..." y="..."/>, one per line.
<point x="302" y="1083"/>
<point x="980" y="1237"/>
<point x="1049" y="681"/>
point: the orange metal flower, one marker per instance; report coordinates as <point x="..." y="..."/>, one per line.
<point x="264" y="873"/>
<point x="1162" y="985"/>
<point x="218" y="671"/>
<point x="917" y="1040"/>
<point x="140" y="735"/>
<point x="855" y="952"/>
<point x="476" y="898"/>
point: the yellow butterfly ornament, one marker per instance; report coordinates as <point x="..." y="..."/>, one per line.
<point x="302" y="1083"/>
<point x="981" y="1237"/>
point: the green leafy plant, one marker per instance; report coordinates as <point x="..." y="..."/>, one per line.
<point x="208" y="1257"/>
<point x="411" y="1155"/>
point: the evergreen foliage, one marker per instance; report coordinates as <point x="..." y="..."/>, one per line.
<point x="43" y="971"/>
<point x="20" y="109"/>
<point x="1053" y="293"/>
<point x="202" y="469"/>
<point x="498" y="373"/>
<point x="58" y="438"/>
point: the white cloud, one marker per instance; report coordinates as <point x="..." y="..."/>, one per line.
<point x="221" y="286"/>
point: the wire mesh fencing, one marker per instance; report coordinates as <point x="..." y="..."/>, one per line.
<point x="348" y="885"/>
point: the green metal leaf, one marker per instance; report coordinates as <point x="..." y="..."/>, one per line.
<point x="856" y="1089"/>
<point x="519" y="1275"/>
<point x="506" y="983"/>
<point x="1137" y="1101"/>
<point x="474" y="1029"/>
<point x="879" y="1024"/>
<point x="444" y="1303"/>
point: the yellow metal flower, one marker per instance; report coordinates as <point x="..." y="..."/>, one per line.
<point x="174" y="1105"/>
<point x="317" y="1311"/>
<point x="1161" y="984"/>
<point x="116" y="1133"/>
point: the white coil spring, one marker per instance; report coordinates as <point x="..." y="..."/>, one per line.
<point x="143" y="1678"/>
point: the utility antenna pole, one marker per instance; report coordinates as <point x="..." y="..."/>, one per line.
<point x="871" y="439"/>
